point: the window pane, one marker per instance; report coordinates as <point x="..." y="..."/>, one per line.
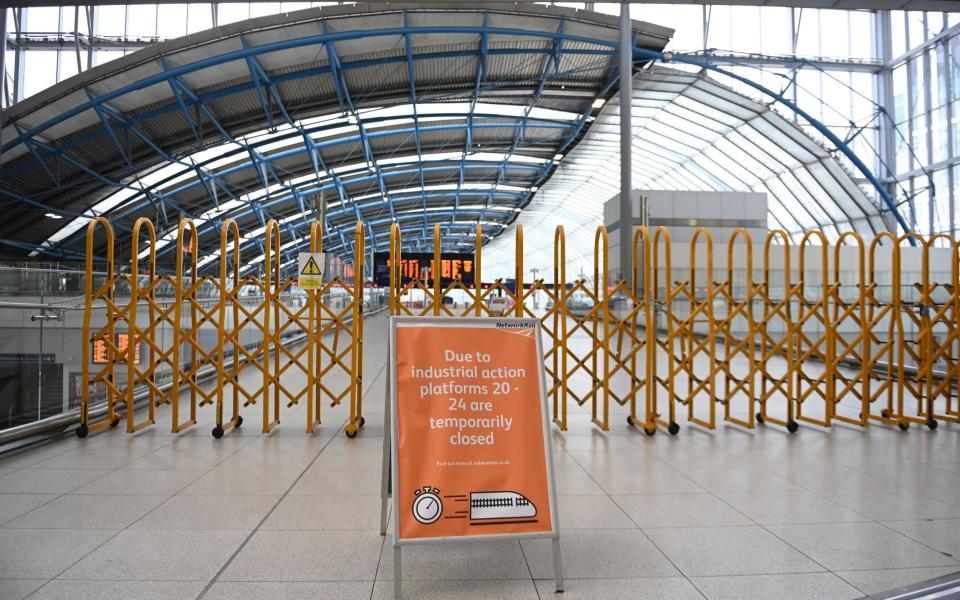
<point x="141" y="21"/>
<point x="44" y="19"/>
<point x="199" y="18"/>
<point x="172" y="20"/>
<point x="110" y="20"/>
<point x="898" y="33"/>
<point x="232" y="12"/>
<point x="42" y="67"/>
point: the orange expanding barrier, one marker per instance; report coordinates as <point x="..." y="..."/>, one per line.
<point x="785" y="334"/>
<point x="812" y="336"/>
<point x="162" y="334"/>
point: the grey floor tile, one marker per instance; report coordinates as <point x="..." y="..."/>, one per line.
<point x="119" y="590"/>
<point x="44" y="553"/>
<point x="670" y="588"/>
<point x="599" y="553"/>
<point x="46" y="481"/>
<point x="75" y="511"/>
<point x="326" y="512"/>
<point x="591" y="512"/>
<point x="167" y="459"/>
<point x="290" y="590"/>
<point x="135" y="555"/>
<point x="636" y="481"/>
<point x="262" y="482"/>
<point x="634" y="459"/>
<point x="242" y="513"/>
<point x="943" y="536"/>
<point x="475" y="560"/>
<point x="679" y="510"/>
<point x="307" y="556"/>
<point x="140" y="483"/>
<point x="882" y="580"/>
<point x="14" y="505"/>
<point x="18" y="589"/>
<point x="796" y="586"/>
<point x="709" y="551"/>
<point x="833" y="477"/>
<point x="856" y="546"/>
<point x="89" y="458"/>
<point x="318" y="481"/>
<point x="738" y="479"/>
<point x="893" y="504"/>
<point x="575" y="482"/>
<point x="948" y="495"/>
<point x="460" y="590"/>
<point x="794" y="506"/>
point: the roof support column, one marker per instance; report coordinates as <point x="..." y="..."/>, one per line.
<point x="887" y="135"/>
<point x="3" y="67"/>
<point x="626" y="142"/>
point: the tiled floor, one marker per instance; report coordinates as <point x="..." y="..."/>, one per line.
<point x="722" y="515"/>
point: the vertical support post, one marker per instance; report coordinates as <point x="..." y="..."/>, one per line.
<point x="557" y="566"/>
<point x="477" y="281"/>
<point x="397" y="587"/>
<point x="435" y="270"/>
<point x="884" y="93"/>
<point x="626" y="99"/>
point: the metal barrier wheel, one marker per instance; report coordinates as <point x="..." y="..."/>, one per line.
<point x="238" y="423"/>
<point x="903" y="426"/>
<point x="362" y="421"/>
<point x="793" y="426"/>
<point x="674" y="429"/>
<point x="932" y="424"/>
<point x="760" y="418"/>
<point x="218" y="432"/>
<point x="351" y="430"/>
<point x="82" y="431"/>
<point x="650" y="429"/>
<point x="115" y="422"/>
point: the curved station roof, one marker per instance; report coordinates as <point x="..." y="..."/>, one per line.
<point x="392" y="113"/>
<point x="445" y="115"/>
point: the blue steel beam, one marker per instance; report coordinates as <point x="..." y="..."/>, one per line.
<point x="258" y="76"/>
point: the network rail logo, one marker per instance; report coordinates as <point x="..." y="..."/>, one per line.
<point x="504" y="325"/>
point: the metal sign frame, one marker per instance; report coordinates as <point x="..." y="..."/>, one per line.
<point x="391" y="441"/>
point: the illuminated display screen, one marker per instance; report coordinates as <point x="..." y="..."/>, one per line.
<point x="102" y="351"/>
<point x="419" y="265"/>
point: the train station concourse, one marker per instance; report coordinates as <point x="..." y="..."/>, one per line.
<point x="494" y="300"/>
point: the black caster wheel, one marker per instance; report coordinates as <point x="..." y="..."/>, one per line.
<point x="362" y="421"/>
<point x="674" y="429"/>
<point x="351" y="433"/>
<point x="239" y="421"/>
<point x="650" y="429"/>
<point x="903" y="426"/>
<point x="886" y="413"/>
<point x="760" y="418"/>
<point x="218" y="432"/>
<point x="792" y="426"/>
<point x="83" y="431"/>
<point x="115" y="422"/>
<point x="630" y="422"/>
<point x="932" y="424"/>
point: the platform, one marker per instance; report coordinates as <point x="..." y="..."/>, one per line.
<point x="721" y="515"/>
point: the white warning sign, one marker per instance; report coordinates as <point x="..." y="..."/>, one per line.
<point x="310" y="270"/>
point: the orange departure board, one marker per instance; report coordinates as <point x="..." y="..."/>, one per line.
<point x="420" y="266"/>
<point x="102" y="351"/>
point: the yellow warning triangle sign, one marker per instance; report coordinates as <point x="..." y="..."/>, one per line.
<point x="311" y="268"/>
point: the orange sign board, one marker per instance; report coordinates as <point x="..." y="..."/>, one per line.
<point x="471" y="445"/>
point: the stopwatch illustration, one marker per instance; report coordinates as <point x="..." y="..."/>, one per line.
<point x="427" y="506"/>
